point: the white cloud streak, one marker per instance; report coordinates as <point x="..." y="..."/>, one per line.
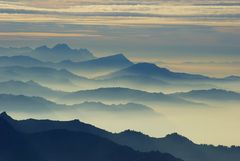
<point x="127" y="12"/>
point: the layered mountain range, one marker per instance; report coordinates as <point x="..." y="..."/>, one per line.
<point x="74" y="83"/>
<point x="114" y="70"/>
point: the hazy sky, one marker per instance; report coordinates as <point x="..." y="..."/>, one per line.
<point x="180" y="34"/>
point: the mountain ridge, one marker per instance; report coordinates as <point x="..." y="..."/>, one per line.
<point x="150" y="69"/>
<point x="98" y="66"/>
<point x="210" y="94"/>
<point x="29" y="88"/>
<point x="173" y="143"/>
<point x="125" y="95"/>
<point x="64" y="145"/>
<point x="35" y="105"/>
<point x="61" y="52"/>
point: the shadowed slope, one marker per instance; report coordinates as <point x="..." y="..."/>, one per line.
<point x="64" y="145"/>
<point x="174" y="143"/>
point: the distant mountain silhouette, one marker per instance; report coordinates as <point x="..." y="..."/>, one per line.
<point x="164" y="74"/>
<point x="61" y="52"/>
<point x="20" y="103"/>
<point x="46" y="76"/>
<point x="233" y="78"/>
<point x="58" y="53"/>
<point x="124" y="95"/>
<point x="91" y="68"/>
<point x="131" y="109"/>
<point x="24" y="61"/>
<point x="100" y="65"/>
<point x="29" y="88"/>
<point x="174" y="143"/>
<point x="152" y="70"/>
<point x="150" y="77"/>
<point x="64" y="145"/>
<point x="113" y="61"/>
<point x="73" y="59"/>
<point x="110" y="71"/>
<point x="210" y="94"/>
<point x="34" y="105"/>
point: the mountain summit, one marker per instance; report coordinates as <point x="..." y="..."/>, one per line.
<point x="61" y="48"/>
<point x="113" y="61"/>
<point x="61" y="52"/>
<point x="4" y="116"/>
<point x="98" y="66"/>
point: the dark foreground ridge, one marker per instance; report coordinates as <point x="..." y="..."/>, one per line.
<point x="64" y="145"/>
<point x="75" y="140"/>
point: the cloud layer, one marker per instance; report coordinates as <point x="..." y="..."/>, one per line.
<point x="112" y="12"/>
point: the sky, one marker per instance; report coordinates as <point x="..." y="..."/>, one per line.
<point x="199" y="36"/>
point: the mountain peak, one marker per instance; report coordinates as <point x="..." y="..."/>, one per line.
<point x="233" y="77"/>
<point x="177" y="137"/>
<point x="61" y="52"/>
<point x="112" y="61"/>
<point x="61" y="47"/>
<point x="174" y="135"/>
<point x="5" y="116"/>
<point x="132" y="132"/>
<point x="42" y="48"/>
<point x="119" y="56"/>
<point x="147" y="68"/>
